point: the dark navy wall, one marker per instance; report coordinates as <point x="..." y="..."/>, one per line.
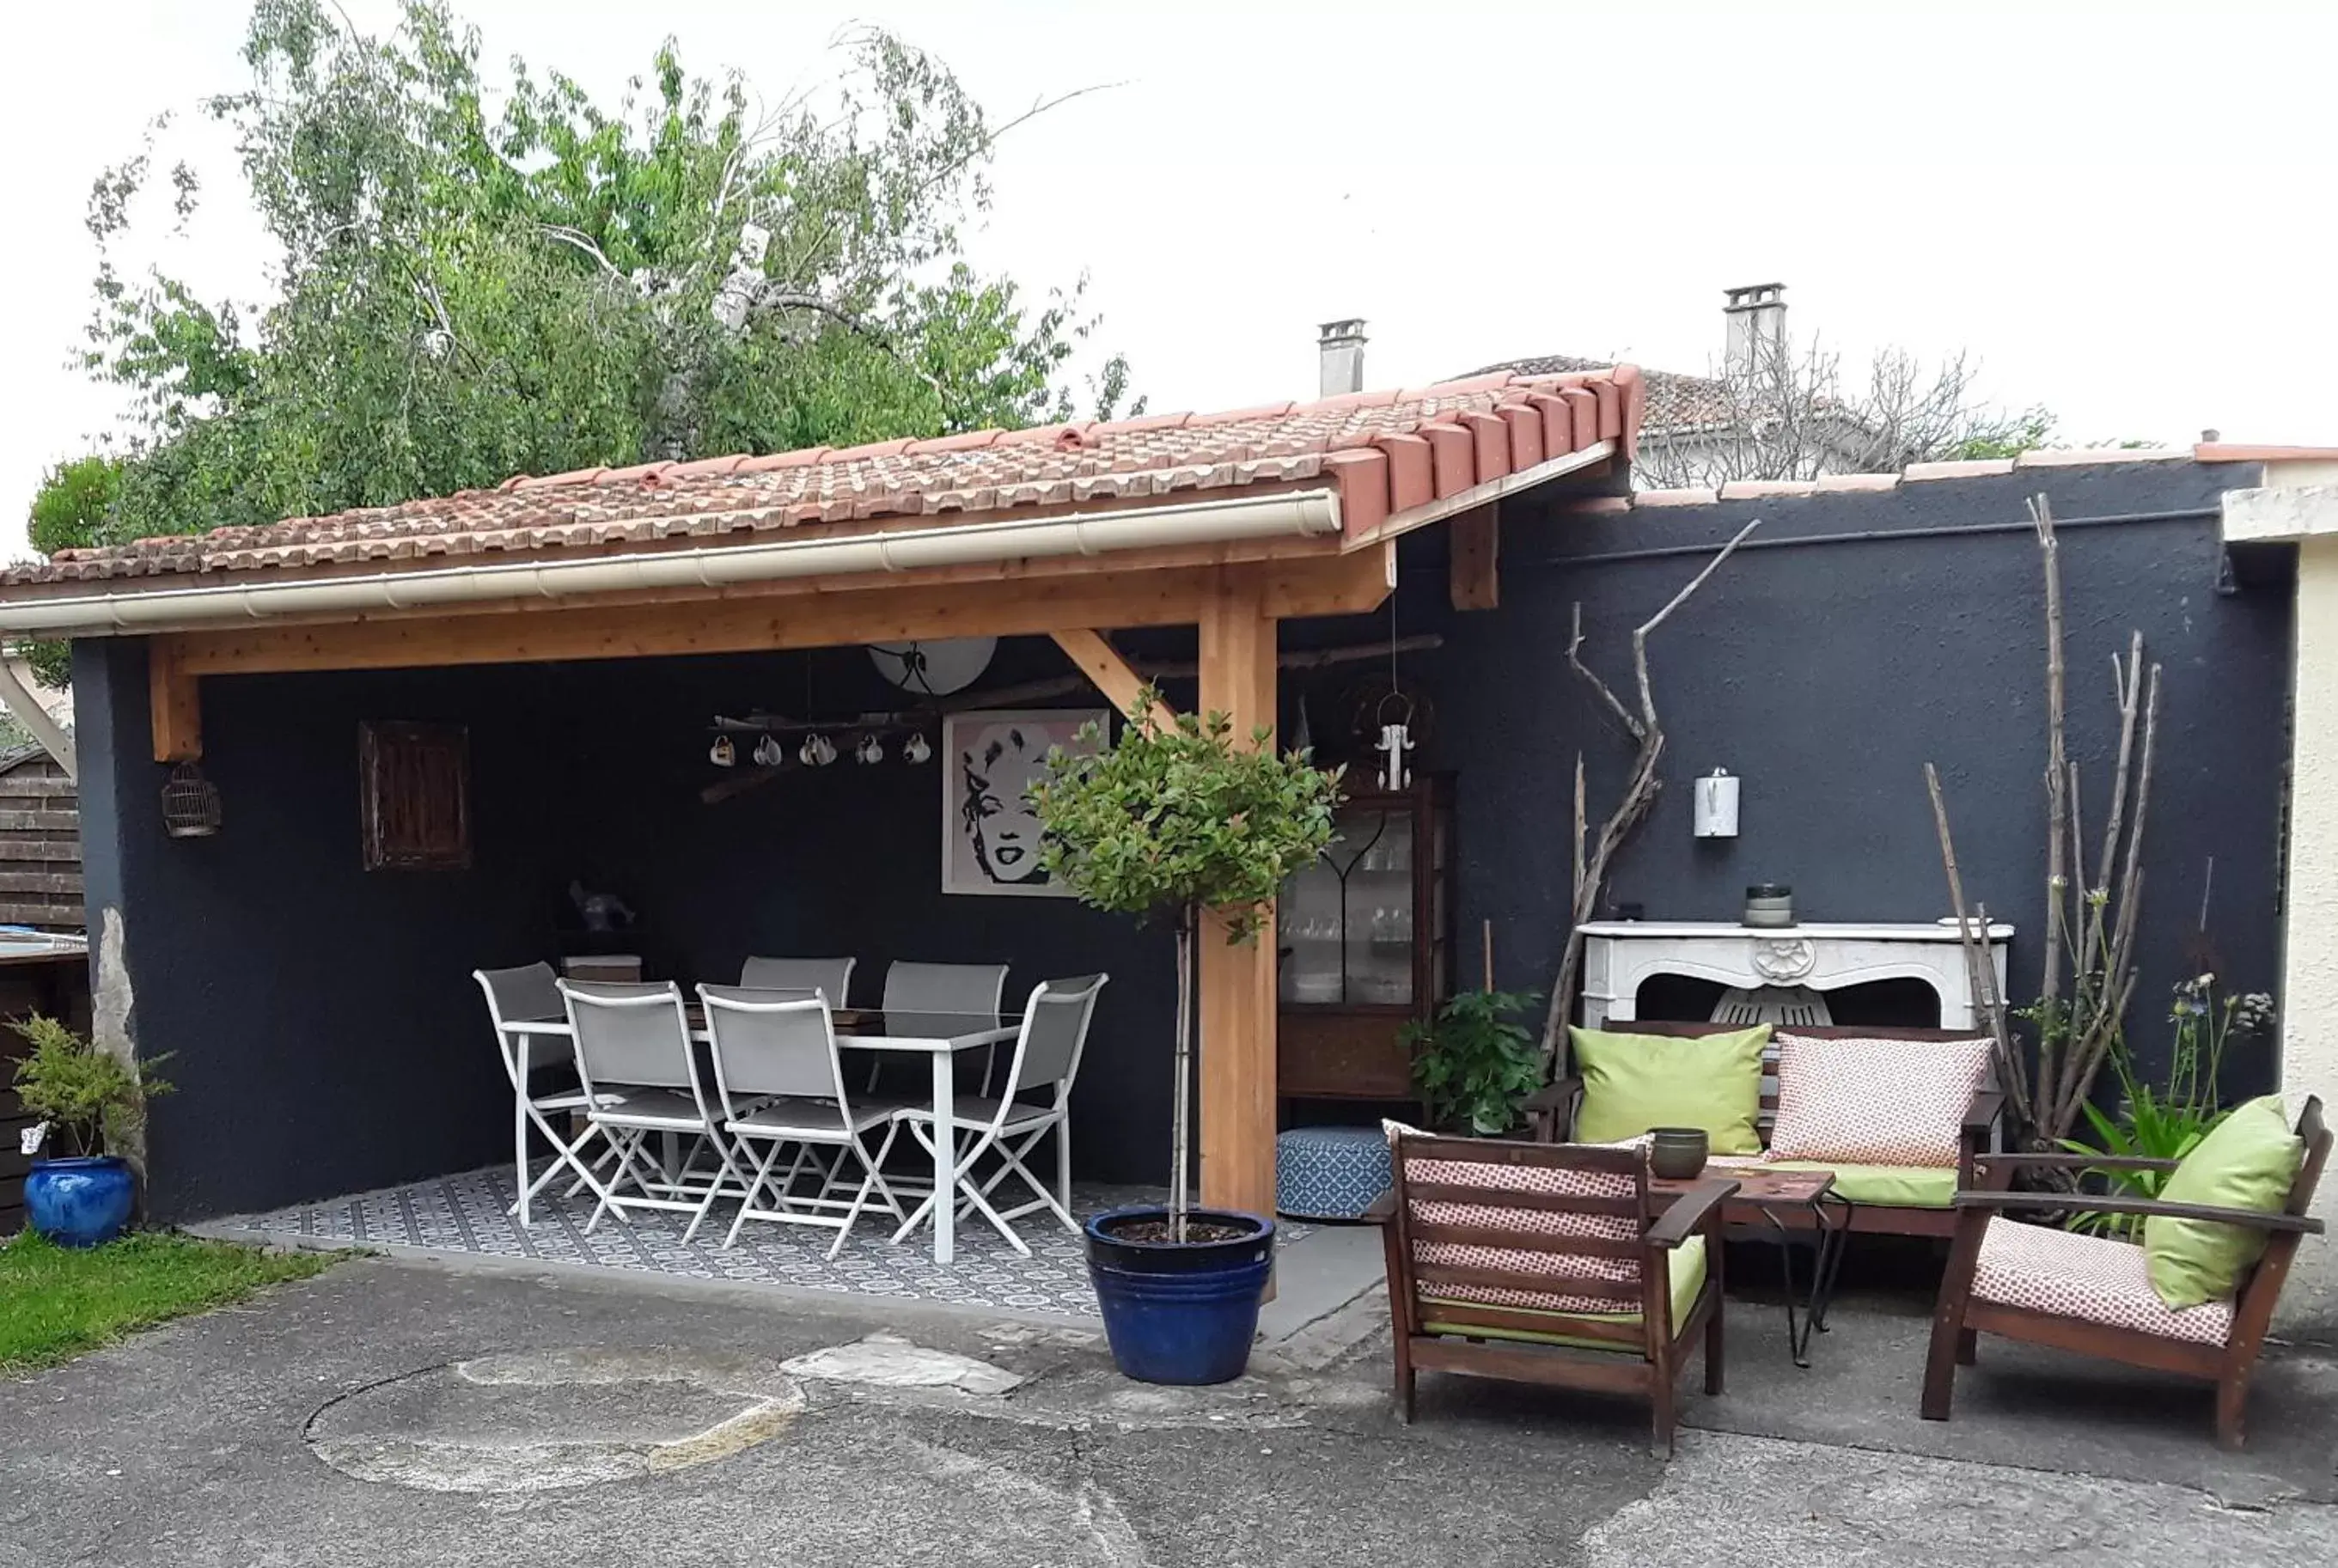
<point x="325" y="1032"/>
<point x="1825" y="675"/>
<point x="327" y="1036"/>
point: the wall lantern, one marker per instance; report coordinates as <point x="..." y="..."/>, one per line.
<point x="1714" y="809"/>
<point x="190" y="803"/>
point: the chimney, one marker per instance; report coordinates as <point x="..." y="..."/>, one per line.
<point x="1341" y="344"/>
<point x="1757" y="314"/>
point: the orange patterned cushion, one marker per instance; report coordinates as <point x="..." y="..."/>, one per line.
<point x="2072" y="1275"/>
<point x="1874" y="1101"/>
<point x="1499" y="1178"/>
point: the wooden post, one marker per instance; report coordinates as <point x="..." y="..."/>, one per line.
<point x="175" y="703"/>
<point x="1237" y="983"/>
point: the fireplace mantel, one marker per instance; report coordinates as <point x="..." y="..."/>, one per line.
<point x="1618" y="956"/>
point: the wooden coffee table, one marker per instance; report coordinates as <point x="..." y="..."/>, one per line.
<point x="1773" y="1196"/>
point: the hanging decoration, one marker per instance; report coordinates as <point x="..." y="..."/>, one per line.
<point x="1396" y="733"/>
<point x="190" y="803"/>
<point x="869" y="750"/>
<point x="817" y="750"/>
<point x="917" y="751"/>
<point x="722" y="754"/>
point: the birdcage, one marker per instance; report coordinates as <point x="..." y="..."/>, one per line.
<point x="190" y="803"/>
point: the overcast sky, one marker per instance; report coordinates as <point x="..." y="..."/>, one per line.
<point x="2124" y="211"/>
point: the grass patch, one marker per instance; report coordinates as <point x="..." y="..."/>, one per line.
<point x="57" y="1302"/>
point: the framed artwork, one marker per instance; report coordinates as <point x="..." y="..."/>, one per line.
<point x="990" y="835"/>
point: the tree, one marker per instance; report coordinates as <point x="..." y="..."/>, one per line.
<point x="69" y="511"/>
<point x="464" y="292"/>
<point x="1176" y="817"/>
<point x="1774" y="413"/>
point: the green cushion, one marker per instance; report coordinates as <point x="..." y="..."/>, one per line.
<point x="1897" y="1186"/>
<point x="2248" y="1160"/>
<point x="1633" y="1083"/>
<point x="1687" y="1277"/>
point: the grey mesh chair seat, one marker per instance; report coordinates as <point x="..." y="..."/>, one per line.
<point x="787" y="1118"/>
<point x="983" y="1110"/>
<point x="659" y="1110"/>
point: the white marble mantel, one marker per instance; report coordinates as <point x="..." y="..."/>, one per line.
<point x="1618" y="956"/>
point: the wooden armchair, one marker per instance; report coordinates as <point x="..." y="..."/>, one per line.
<point x="1506" y="1259"/>
<point x="2091" y="1295"/>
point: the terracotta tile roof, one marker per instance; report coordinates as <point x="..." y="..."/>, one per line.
<point x="1676" y="401"/>
<point x="1385" y="453"/>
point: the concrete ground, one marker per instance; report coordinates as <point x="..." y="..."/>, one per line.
<point x="395" y="1412"/>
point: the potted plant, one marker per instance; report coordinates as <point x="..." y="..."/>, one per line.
<point x="1177" y="818"/>
<point x="1474" y="1063"/>
<point x="87" y="1101"/>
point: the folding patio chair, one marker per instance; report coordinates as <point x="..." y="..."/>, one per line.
<point x="831" y="977"/>
<point x="944" y="999"/>
<point x="641" y="1078"/>
<point x="531" y="994"/>
<point x="1047" y="1058"/>
<point x="780" y="1084"/>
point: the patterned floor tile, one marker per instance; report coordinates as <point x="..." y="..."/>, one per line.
<point x="467" y="1213"/>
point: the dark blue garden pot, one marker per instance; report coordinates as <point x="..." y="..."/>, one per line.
<point x="1180" y="1312"/>
<point x="80" y="1202"/>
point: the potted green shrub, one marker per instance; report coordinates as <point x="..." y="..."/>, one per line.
<point x="1474" y="1063"/>
<point x="1174" y="819"/>
<point x="87" y="1102"/>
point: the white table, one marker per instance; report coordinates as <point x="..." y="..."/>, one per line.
<point x="940" y="1036"/>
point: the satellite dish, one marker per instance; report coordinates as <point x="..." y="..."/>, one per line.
<point x="934" y="668"/>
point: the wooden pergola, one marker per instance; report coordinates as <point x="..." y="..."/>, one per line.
<point x="1231" y="524"/>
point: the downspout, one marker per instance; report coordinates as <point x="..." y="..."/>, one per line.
<point x="19" y="701"/>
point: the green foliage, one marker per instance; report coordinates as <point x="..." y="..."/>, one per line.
<point x="71" y="506"/>
<point x="1474" y="1063"/>
<point x="88" y="1097"/>
<point x="64" y="1302"/>
<point x="2164" y="1121"/>
<point x="2003" y="436"/>
<point x="1175" y="816"/>
<point x="467" y="292"/>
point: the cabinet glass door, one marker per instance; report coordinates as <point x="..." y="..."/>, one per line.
<point x="1346" y="922"/>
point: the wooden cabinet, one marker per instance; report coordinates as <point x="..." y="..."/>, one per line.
<point x="1366" y="945"/>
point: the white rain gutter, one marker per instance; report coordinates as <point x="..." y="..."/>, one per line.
<point x="1286" y="514"/>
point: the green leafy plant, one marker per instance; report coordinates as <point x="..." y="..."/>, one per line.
<point x="2164" y="1121"/>
<point x="1474" y="1063"/>
<point x="1180" y="819"/>
<point x="88" y="1098"/>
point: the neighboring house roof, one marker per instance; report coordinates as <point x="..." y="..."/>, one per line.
<point x="1384" y="452"/>
<point x="1676" y="402"/>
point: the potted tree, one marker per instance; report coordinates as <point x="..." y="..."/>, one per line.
<point x="87" y="1102"/>
<point x="1178" y="820"/>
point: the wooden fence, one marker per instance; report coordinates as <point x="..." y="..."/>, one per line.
<point x="40" y="843"/>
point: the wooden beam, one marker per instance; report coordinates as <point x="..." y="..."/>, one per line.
<point x="1237" y="983"/>
<point x="1101" y="662"/>
<point x="1476" y="537"/>
<point x="174" y="700"/>
<point x="1322" y="585"/>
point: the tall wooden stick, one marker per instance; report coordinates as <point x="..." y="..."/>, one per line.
<point x="2058" y="779"/>
<point x="1980" y="975"/>
<point x="1640" y="790"/>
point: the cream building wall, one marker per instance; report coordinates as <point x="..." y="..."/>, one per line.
<point x="2299" y="505"/>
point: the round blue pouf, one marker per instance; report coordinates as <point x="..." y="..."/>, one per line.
<point x="1330" y="1172"/>
<point x="79" y="1202"/>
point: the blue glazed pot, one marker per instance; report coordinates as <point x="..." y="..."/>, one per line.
<point x="1180" y="1312"/>
<point x="80" y="1202"/>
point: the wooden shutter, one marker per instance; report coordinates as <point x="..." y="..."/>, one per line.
<point x="415" y="788"/>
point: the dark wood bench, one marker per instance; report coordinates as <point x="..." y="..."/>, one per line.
<point x="1551" y="1112"/>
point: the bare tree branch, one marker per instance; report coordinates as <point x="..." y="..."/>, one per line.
<point x="1606" y="693"/>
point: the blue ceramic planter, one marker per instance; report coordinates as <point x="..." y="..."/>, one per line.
<point x="1180" y="1312"/>
<point x="80" y="1202"/>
